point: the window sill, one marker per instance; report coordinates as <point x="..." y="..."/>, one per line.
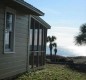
<point x="9" y="52"/>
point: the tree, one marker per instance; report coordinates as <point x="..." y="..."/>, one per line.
<point x="55" y="49"/>
<point x="81" y="38"/>
<point x="51" y="39"/>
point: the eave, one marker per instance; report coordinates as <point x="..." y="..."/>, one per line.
<point x="41" y="21"/>
<point x="23" y="6"/>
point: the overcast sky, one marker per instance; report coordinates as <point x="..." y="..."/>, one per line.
<point x="65" y="18"/>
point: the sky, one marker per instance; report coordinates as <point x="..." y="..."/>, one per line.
<point x="65" y="18"/>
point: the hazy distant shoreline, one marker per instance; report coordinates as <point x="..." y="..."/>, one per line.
<point x="63" y="52"/>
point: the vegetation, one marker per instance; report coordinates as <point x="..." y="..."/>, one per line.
<point x="55" y="49"/>
<point x="54" y="72"/>
<point x="81" y="38"/>
<point x="51" y="39"/>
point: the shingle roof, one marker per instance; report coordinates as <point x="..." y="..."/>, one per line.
<point x="29" y="6"/>
<point x="23" y="6"/>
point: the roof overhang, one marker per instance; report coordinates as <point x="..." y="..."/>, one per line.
<point x="23" y="6"/>
<point x="41" y="21"/>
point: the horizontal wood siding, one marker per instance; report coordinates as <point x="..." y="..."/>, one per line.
<point x="14" y="63"/>
<point x="1" y="28"/>
<point x="13" y="71"/>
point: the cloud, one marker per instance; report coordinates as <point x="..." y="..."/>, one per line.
<point x="65" y="35"/>
<point x="65" y="38"/>
<point x="78" y="50"/>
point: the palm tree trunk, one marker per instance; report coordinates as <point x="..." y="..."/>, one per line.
<point x="55" y="50"/>
<point x="51" y="54"/>
<point x="55" y="56"/>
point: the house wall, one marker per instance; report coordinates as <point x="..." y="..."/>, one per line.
<point x="18" y="62"/>
<point x="1" y="28"/>
<point x="14" y="63"/>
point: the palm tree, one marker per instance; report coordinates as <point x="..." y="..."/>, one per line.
<point x="55" y="49"/>
<point x="81" y="38"/>
<point x="51" y="39"/>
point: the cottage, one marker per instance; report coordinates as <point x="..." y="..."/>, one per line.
<point x="22" y="38"/>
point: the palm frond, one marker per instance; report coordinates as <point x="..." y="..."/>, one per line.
<point x="83" y="28"/>
<point x="80" y="39"/>
<point x="51" y="38"/>
<point x="55" y="44"/>
<point x="48" y="39"/>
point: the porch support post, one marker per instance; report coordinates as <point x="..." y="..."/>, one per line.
<point x="45" y="35"/>
<point x="28" y="43"/>
<point x="38" y="46"/>
<point x="33" y="44"/>
<point x="42" y="47"/>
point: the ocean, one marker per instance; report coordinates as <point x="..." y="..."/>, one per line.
<point x="62" y="52"/>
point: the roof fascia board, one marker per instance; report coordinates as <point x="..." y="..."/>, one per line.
<point x="41" y="21"/>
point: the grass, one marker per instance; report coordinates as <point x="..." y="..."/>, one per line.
<point x="54" y="72"/>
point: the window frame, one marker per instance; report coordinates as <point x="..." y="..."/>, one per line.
<point x="13" y="12"/>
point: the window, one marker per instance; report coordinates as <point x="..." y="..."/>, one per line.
<point x="31" y="36"/>
<point x="40" y="37"/>
<point x="9" y="32"/>
<point x="35" y="37"/>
